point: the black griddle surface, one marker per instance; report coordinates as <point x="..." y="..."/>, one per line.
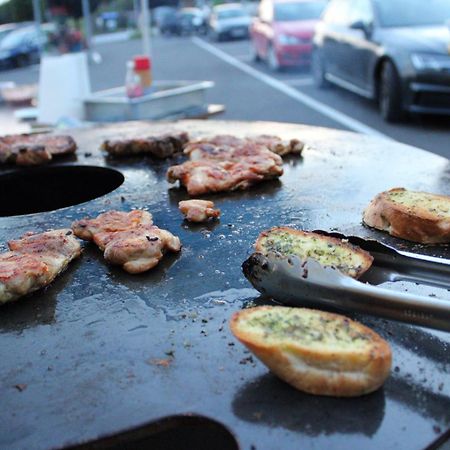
<point x="101" y="351"/>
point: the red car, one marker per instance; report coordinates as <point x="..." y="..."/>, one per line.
<point x="282" y="33"/>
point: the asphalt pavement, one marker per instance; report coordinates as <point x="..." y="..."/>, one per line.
<point x="251" y="91"/>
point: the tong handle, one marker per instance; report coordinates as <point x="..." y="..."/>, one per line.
<point x="416" y="309"/>
<point x="363" y="298"/>
<point x="408" y="267"/>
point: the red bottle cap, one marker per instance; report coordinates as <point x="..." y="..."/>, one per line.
<point x="141" y="63"/>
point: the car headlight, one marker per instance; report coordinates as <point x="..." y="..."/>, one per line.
<point x="429" y="61"/>
<point x="288" y="39"/>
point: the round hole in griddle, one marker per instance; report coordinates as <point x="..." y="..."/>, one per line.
<point x="49" y="188"/>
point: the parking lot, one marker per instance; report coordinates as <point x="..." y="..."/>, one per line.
<point x="251" y="91"/>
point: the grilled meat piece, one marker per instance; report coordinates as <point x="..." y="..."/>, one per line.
<point x="128" y="239"/>
<point x="34" y="149"/>
<point x="162" y="146"/>
<point x="34" y="262"/>
<point x="225" y="143"/>
<point x="140" y="249"/>
<point x="220" y="140"/>
<point x="279" y="146"/>
<point x="247" y="151"/>
<point x="101" y="229"/>
<point x="35" y="155"/>
<point x="201" y="177"/>
<point x="198" y="210"/>
<point x="216" y="169"/>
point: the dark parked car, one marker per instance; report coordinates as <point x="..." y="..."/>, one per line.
<point x="21" y="46"/>
<point x="165" y="19"/>
<point x="192" y="21"/>
<point x="6" y="28"/>
<point x="393" y="51"/>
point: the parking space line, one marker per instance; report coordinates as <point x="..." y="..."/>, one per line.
<point x="300" y="82"/>
<point x="291" y="92"/>
<point x="245" y="57"/>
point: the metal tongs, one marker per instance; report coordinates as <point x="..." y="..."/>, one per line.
<point x="306" y="283"/>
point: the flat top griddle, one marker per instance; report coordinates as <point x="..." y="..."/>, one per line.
<point x="101" y="352"/>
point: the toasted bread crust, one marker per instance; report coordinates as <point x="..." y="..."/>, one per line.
<point x="411" y="222"/>
<point x="364" y="257"/>
<point x="345" y="372"/>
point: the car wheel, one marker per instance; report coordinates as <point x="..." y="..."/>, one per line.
<point x="318" y="70"/>
<point x="272" y="59"/>
<point x="389" y="93"/>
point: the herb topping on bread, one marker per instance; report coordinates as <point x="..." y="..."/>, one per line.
<point x="315" y="351"/>
<point x="328" y="251"/>
<point x="415" y="216"/>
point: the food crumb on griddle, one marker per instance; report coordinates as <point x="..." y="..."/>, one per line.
<point x="160" y="362"/>
<point x="21" y="387"/>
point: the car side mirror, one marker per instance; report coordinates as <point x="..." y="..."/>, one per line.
<point x="365" y="27"/>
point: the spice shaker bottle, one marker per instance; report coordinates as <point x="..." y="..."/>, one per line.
<point x="142" y="67"/>
<point x="133" y="86"/>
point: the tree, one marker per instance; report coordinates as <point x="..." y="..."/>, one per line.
<point x="16" y="11"/>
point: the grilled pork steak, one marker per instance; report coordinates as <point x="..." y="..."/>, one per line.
<point x="34" y="149"/>
<point x="221" y="168"/>
<point x="128" y="239"/>
<point x="160" y="146"/>
<point x="34" y="262"/>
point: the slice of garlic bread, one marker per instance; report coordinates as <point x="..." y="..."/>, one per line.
<point x="415" y="216"/>
<point x="328" y="251"/>
<point x="315" y="351"/>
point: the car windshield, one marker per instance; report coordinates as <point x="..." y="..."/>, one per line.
<point x="14" y="38"/>
<point x="4" y="33"/>
<point x="410" y="13"/>
<point x="230" y="13"/>
<point x="286" y="12"/>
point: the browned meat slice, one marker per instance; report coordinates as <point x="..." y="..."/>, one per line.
<point x="279" y="146"/>
<point x="196" y="210"/>
<point x="128" y="239"/>
<point x="215" y="168"/>
<point x="34" y="149"/>
<point x="101" y="229"/>
<point x="55" y="144"/>
<point x="31" y="156"/>
<point x="248" y="152"/>
<point x="216" y="147"/>
<point x="162" y="146"/>
<point x="222" y="144"/>
<point x="221" y="140"/>
<point x="201" y="177"/>
<point x="34" y="262"/>
<point x="140" y="249"/>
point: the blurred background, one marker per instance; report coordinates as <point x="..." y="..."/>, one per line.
<point x="379" y="67"/>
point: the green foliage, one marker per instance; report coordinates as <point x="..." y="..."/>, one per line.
<point x="16" y="11"/>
